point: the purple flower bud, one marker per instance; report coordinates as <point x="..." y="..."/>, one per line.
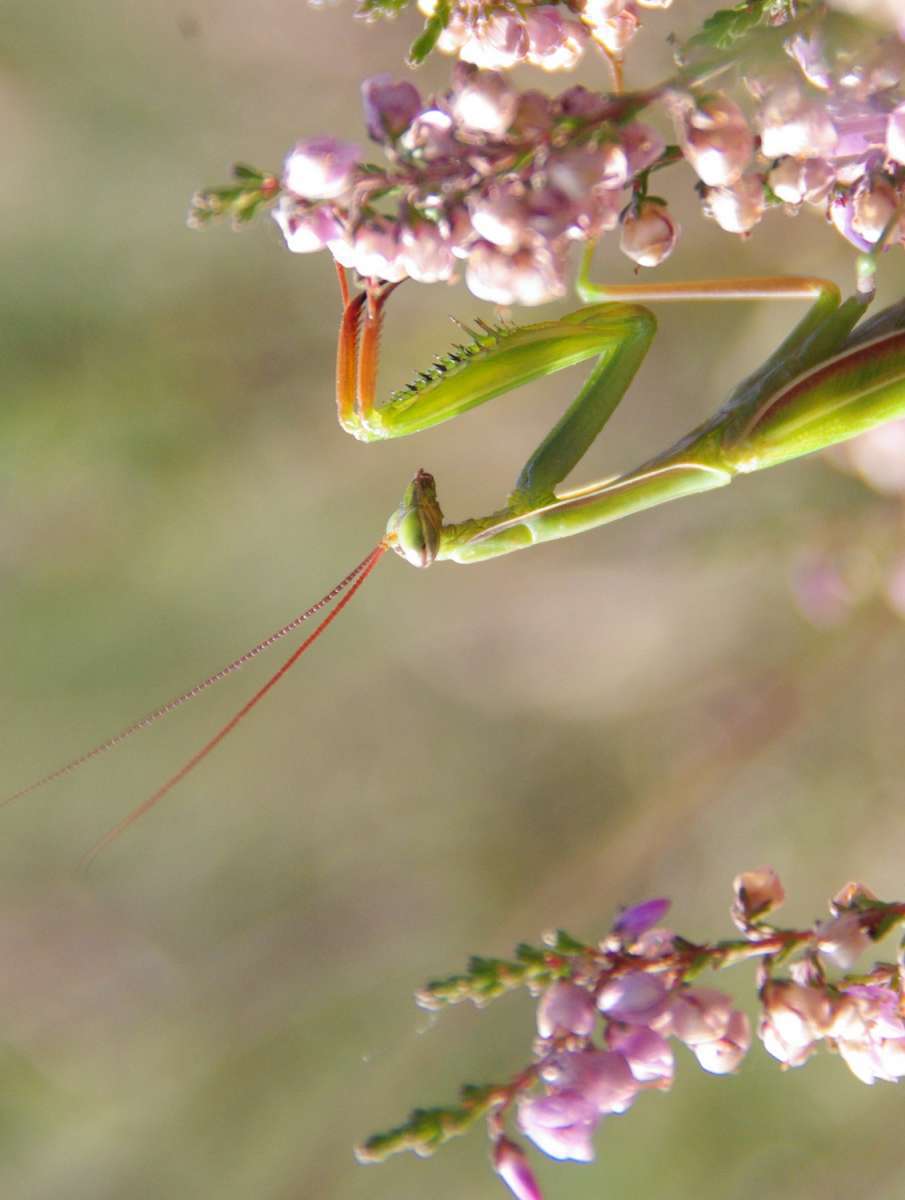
<point x="305" y="230"/>
<point x="554" y="43"/>
<point x="790" y="123"/>
<point x="574" y="172"/>
<point x="496" y="44"/>
<point x="842" y="939"/>
<point x="699" y="1015"/>
<point x="794" y="1019"/>
<point x="561" y="1125"/>
<point x="715" y="139"/>
<point x="757" y="893"/>
<point x="875" y="203"/>
<point x="498" y="215"/>
<point x="482" y="101"/>
<point x="602" y="1077"/>
<point x="635" y="999"/>
<point x="389" y="107"/>
<point x="738" y="208"/>
<point x="321" y="168"/>
<point x="527" y="277"/>
<point x="649" y="235"/>
<point x="425" y="254"/>
<point x="634" y="921"/>
<point x="648" y="1055"/>
<point x="794" y="180"/>
<point x="568" y="1008"/>
<point x="377" y="250"/>
<point x="429" y="137"/>
<point x="615" y="34"/>
<point x="723" y="1055"/>
<point x="510" y="1164"/>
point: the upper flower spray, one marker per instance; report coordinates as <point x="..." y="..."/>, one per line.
<point x="773" y="105"/>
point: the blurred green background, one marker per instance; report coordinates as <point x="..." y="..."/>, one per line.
<point x="222" y="1005"/>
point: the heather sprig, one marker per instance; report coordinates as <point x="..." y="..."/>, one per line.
<point x="608" y="1013"/>
<point x="774" y="106"/>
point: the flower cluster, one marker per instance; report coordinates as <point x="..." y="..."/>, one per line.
<point x="607" y="1011"/>
<point x="502" y="182"/>
<point x="498" y="36"/>
<point x="497" y="180"/>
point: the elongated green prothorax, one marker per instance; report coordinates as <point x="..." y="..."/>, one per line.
<point x="414" y="528"/>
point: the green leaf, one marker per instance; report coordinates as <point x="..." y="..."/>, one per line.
<point x="427" y="39"/>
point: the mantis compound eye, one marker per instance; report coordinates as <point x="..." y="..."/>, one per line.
<point x="416" y="524"/>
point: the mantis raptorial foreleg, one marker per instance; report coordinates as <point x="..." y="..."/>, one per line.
<point x="823" y="384"/>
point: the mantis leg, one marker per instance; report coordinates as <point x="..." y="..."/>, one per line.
<point x="861" y="386"/>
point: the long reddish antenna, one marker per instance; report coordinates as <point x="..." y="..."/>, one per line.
<point x="363" y="571"/>
<point x="197" y="689"/>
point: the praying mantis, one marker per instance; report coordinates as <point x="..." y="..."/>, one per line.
<point x="830" y="379"/>
<point x="827" y="382"/>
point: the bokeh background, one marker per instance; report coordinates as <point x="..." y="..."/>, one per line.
<point x="222" y="1005"/>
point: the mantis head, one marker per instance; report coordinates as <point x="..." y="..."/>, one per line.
<point x="414" y="528"/>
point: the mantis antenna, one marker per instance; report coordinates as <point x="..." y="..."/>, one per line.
<point x="348" y="585"/>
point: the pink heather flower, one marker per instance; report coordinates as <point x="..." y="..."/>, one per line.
<point x="527" y="277"/>
<point x="554" y="43"/>
<point x="498" y="215"/>
<point x="895" y="134"/>
<point x="875" y="203"/>
<point x="715" y="139"/>
<point x="656" y="943"/>
<point x="796" y="180"/>
<point x="510" y="1164"/>
<point x="790" y="123"/>
<point x="482" y="101"/>
<point x="376" y="243"/>
<point x="648" y="1055"/>
<point x="634" y="999"/>
<point x="305" y="230"/>
<point x="723" y="1055"/>
<point x="560" y="1125"/>
<point x="757" y="893"/>
<point x="638" y="919"/>
<point x="321" y="168"/>
<point x="794" y="1019"/>
<point x="699" y="1015"/>
<point x="575" y="171"/>
<point x="424" y="253"/>
<point x="429" y="138"/>
<point x="737" y="208"/>
<point x="842" y="939"/>
<point x="602" y="1077"/>
<point x="566" y="1008"/>
<point x="615" y="34"/>
<point x="649" y="235"/>
<point x="389" y="106"/>
<point x="870" y="1034"/>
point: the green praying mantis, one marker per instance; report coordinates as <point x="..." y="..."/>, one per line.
<point x="830" y="379"/>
